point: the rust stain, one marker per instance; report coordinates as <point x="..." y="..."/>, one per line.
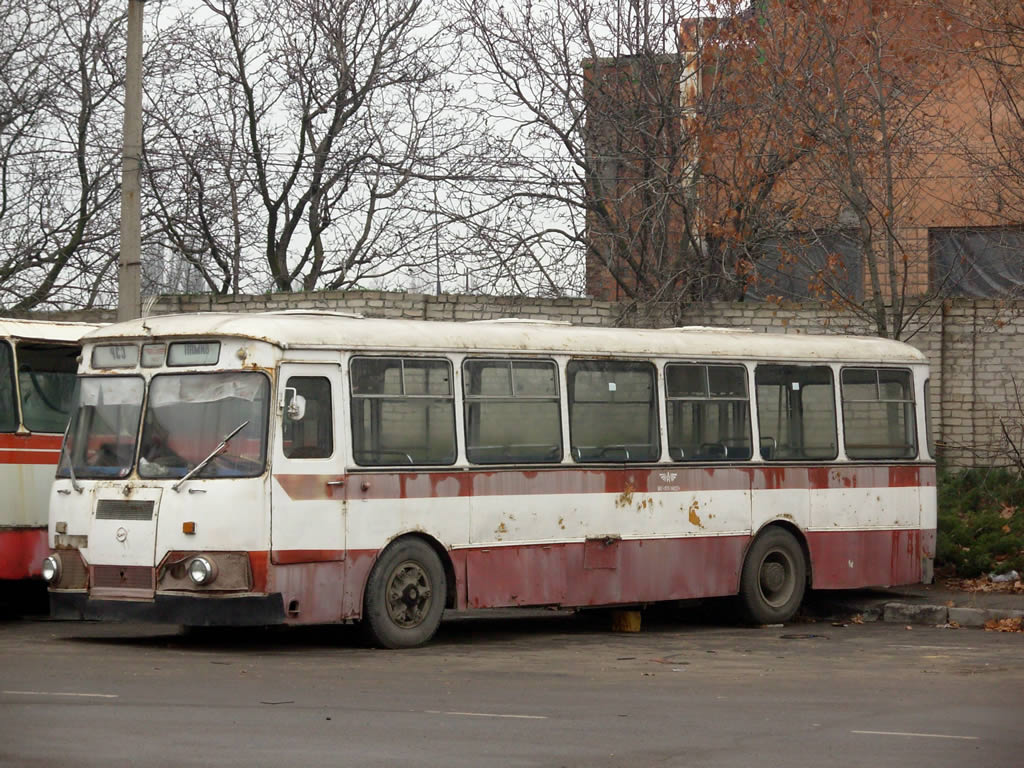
<point x="501" y="529"/>
<point x="626" y="497"/>
<point x="561" y="523"/>
<point x="694" y="517"/>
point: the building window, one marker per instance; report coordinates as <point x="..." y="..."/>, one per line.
<point x="807" y="265"/>
<point x="981" y="262"/>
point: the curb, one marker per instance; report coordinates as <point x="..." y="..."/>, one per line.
<point x="910" y="613"/>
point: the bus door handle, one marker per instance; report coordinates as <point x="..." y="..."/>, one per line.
<point x="336" y="482"/>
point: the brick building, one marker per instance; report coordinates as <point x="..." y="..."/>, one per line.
<point x="833" y="150"/>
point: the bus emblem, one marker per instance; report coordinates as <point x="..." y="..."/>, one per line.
<point x="121" y="534"/>
<point x="668" y="477"/>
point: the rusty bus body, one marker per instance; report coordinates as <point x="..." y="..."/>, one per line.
<point x="302" y="467"/>
<point x="38" y="361"/>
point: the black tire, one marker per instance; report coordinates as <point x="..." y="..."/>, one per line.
<point x="774" y="577"/>
<point x="405" y="595"/>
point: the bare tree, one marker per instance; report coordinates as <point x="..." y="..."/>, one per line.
<point x="863" y="90"/>
<point x="311" y="131"/>
<point x="600" y="162"/>
<point x="60" y="178"/>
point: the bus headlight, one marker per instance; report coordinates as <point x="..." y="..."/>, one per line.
<point x="201" y="571"/>
<point x="51" y="569"/>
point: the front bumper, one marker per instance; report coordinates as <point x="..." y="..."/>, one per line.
<point x="197" y="611"/>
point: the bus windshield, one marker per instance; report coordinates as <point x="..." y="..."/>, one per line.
<point x="8" y="414"/>
<point x="46" y="380"/>
<point x="187" y="417"/>
<point x="104" y="427"/>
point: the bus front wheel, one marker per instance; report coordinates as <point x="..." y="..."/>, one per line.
<point x="405" y="595"/>
<point x="774" y="577"/>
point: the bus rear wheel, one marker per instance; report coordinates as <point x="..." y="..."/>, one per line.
<point x="405" y="595"/>
<point x="774" y="577"/>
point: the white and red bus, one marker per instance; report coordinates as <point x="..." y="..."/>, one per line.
<point x="38" y="363"/>
<point x="291" y="467"/>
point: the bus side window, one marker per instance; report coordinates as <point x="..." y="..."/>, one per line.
<point x="403" y="411"/>
<point x="8" y="419"/>
<point x="512" y="411"/>
<point x="312" y="436"/>
<point x="613" y="415"/>
<point x="708" y="412"/>
<point x="878" y="413"/>
<point x="796" y="412"/>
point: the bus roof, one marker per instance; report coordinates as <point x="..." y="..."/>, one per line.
<point x="44" y="330"/>
<point x="308" y="330"/>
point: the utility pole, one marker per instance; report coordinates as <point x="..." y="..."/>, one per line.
<point x="129" y="275"/>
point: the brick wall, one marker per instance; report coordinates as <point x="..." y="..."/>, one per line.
<point x="974" y="346"/>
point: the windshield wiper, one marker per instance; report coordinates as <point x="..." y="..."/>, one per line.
<point x="208" y="459"/>
<point x="66" y="453"/>
<point x="71" y="473"/>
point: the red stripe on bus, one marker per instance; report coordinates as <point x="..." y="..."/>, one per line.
<point x="29" y="457"/>
<point x="513" y="482"/>
<point x="21" y="552"/>
<point x="36" y="442"/>
<point x="291" y="556"/>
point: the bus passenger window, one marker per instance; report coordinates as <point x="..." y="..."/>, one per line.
<point x="512" y="411"/>
<point x="796" y="412"/>
<point x="8" y="417"/>
<point x="312" y="436"/>
<point x="612" y="411"/>
<point x="403" y="411"/>
<point x="708" y="412"/>
<point x="878" y="414"/>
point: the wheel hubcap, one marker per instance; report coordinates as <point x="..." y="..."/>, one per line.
<point x="777" y="578"/>
<point x="408" y="595"/>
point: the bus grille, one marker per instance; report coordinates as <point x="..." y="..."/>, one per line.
<point x="73" y="574"/>
<point x="122" y="576"/>
<point x="116" y="509"/>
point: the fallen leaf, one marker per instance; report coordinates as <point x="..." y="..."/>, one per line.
<point x="1004" y="625"/>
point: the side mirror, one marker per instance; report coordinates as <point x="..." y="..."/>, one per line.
<point x="296" y="408"/>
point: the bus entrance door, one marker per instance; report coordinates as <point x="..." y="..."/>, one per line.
<point x="307" y="527"/>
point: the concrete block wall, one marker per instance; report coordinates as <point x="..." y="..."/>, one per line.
<point x="975" y="346"/>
